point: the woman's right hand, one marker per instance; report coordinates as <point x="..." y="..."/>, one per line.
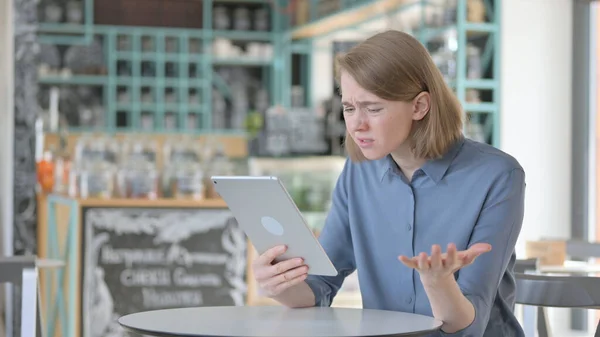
<point x="274" y="279"/>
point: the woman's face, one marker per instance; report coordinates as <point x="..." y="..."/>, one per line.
<point x="377" y="126"/>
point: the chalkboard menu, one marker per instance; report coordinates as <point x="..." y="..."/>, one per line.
<point x="140" y="259"/>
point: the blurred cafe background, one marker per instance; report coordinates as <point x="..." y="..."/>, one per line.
<point x="115" y="113"/>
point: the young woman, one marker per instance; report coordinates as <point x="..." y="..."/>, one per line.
<point x="413" y="185"/>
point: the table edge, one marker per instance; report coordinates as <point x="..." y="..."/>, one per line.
<point x="165" y="334"/>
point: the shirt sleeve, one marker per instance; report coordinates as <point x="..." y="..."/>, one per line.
<point x="499" y="224"/>
<point x="336" y="240"/>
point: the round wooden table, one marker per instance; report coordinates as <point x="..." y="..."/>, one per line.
<point x="278" y="321"/>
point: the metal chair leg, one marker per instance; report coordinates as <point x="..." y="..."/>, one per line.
<point x="29" y="298"/>
<point x="529" y="320"/>
<point x="542" y="323"/>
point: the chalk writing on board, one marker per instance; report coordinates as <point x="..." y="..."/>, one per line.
<point x="140" y="259"/>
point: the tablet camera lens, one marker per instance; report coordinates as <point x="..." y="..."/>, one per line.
<point x="214" y="181"/>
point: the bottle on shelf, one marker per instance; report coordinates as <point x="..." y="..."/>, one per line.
<point x="137" y="174"/>
<point x="445" y="56"/>
<point x="92" y="173"/>
<point x="45" y="172"/>
<point x="217" y="164"/>
<point x="96" y="180"/>
<point x="62" y="162"/>
<point x="182" y="176"/>
<point x="188" y="182"/>
<point x="138" y="179"/>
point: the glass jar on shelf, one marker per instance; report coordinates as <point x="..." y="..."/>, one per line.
<point x="446" y="63"/>
<point x="96" y="180"/>
<point x="83" y="150"/>
<point x="217" y="164"/>
<point x="221" y="19"/>
<point x="181" y="149"/>
<point x="241" y="18"/>
<point x="139" y="148"/>
<point x="96" y="148"/>
<point x="167" y="178"/>
<point x="138" y="180"/>
<point x="474" y="67"/>
<point x="181" y="155"/>
<point x="261" y="19"/>
<point x="188" y="182"/>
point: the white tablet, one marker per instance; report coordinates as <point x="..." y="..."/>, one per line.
<point x="266" y="212"/>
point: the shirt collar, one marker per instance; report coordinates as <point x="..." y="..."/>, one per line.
<point x="386" y="164"/>
<point x="435" y="168"/>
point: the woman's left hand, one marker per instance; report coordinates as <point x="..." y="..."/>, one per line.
<point x="438" y="266"/>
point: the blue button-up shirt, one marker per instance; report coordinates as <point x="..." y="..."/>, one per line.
<point x="475" y="193"/>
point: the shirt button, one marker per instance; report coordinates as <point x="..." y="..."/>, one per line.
<point x="408" y="227"/>
<point x="409" y="300"/>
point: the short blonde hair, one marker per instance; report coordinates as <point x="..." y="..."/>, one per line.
<point x="396" y="67"/>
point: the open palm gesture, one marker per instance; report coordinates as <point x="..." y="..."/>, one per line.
<point x="440" y="266"/>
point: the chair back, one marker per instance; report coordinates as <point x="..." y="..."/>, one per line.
<point x="11" y="268"/>
<point x="526" y="265"/>
<point x="580" y="249"/>
<point x="22" y="271"/>
<point x="558" y="291"/>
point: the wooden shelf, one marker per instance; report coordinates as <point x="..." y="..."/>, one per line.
<point x="175" y="203"/>
<point x="347" y="18"/>
<point x="125" y="202"/>
<point x="236" y="146"/>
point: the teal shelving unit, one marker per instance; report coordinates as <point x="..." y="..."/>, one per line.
<point x="164" y="76"/>
<point x="486" y="112"/>
<point x="150" y="81"/>
<point x="485" y="33"/>
<point x="181" y="88"/>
